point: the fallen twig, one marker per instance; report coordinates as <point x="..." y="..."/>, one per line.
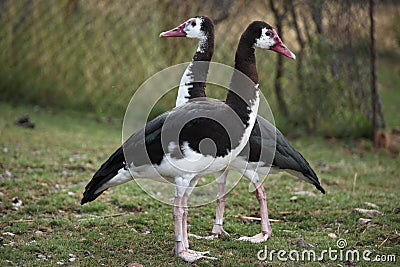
<point x="113" y="215"/>
<point x="252" y="218"/>
<point x="103" y="217"/>
<point x="383" y="242"/>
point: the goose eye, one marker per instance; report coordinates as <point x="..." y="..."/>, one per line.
<point x="193" y="23"/>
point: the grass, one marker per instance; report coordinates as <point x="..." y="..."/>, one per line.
<point x="47" y="168"/>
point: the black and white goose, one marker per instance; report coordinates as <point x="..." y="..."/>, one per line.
<point x="191" y="85"/>
<point x="257" y="161"/>
<point x="169" y="147"/>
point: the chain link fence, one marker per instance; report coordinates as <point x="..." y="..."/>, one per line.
<point x="91" y="55"/>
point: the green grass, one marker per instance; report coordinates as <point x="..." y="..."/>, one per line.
<point x="48" y="167"/>
<point x="388" y="84"/>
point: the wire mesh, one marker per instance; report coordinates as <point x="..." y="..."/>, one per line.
<point x="91" y="55"/>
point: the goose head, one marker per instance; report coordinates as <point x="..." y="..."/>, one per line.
<point x="199" y="27"/>
<point x="265" y="36"/>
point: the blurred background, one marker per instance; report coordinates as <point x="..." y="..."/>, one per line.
<point x="92" y="55"/>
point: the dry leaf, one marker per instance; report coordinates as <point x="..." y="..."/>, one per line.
<point x="368" y="213"/>
<point x="332" y="235"/>
<point x="364" y="221"/>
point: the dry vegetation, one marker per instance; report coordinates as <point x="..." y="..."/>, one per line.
<point x="94" y="55"/>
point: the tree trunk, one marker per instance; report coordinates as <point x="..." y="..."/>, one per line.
<point x="376" y="104"/>
<point x="279" y="64"/>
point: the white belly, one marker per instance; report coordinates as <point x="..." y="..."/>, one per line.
<point x="240" y="164"/>
<point x="193" y="164"/>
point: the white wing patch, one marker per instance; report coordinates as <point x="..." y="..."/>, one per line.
<point x="185" y="86"/>
<point x="122" y="177"/>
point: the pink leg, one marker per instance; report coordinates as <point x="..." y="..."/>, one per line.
<point x="262" y="199"/>
<point x="184" y="221"/>
<point x="219" y="213"/>
<point x="178" y="217"/>
<point x="266" y="230"/>
<point x="180" y="211"/>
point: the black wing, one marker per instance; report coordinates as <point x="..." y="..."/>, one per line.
<point x="286" y="156"/>
<point x="189" y="123"/>
<point x="117" y="161"/>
